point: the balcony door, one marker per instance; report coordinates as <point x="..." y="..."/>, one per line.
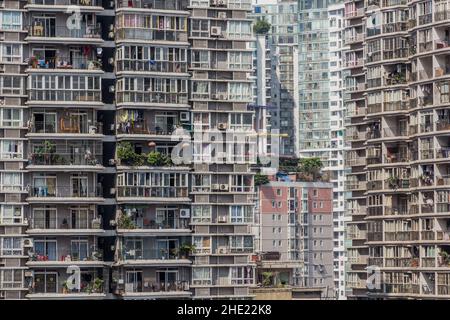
<point x="44" y="218"/>
<point x="46" y="282"/>
<point x="44" y="122"/>
<point x="134" y="281"/>
<point x="79" y="218"/>
<point x="166" y="248"/>
<point x="167" y="279"/>
<point x="44" y="26"/>
<point x="79" y="249"/>
<point x="79" y="186"/>
<point x="44" y="186"/>
<point x="45" y="248"/>
<point x="165" y="218"/>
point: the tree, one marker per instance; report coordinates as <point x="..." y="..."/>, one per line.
<point x="310" y="166"/>
<point x="261" y="179"/>
<point x="261" y="26"/>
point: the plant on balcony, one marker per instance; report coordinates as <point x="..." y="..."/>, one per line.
<point x="125" y="152"/>
<point x="262" y="26"/>
<point x="125" y="222"/>
<point x="94" y="286"/>
<point x="186" y="250"/>
<point x="158" y="159"/>
<point x="310" y="167"/>
<point x="174" y="252"/>
<point x="267" y="278"/>
<point x="261" y="179"/>
<point x="445" y="258"/>
<point x="65" y="287"/>
<point x="393" y="182"/>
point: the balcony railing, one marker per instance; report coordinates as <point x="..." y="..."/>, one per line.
<point x="152" y="224"/>
<point x="396" y="106"/>
<point x="443" y="125"/>
<point x="401" y="236"/>
<point x="402" y="262"/>
<point x="153" y="4"/>
<point x="403" y="288"/>
<point x="443" y="180"/>
<point x="151" y="254"/>
<point x="425" y="46"/>
<point x="161" y="287"/>
<point x="152" y="97"/>
<point x="65" y="95"/>
<point x="65" y="159"/>
<point x="429" y="262"/>
<point x="66" y="2"/>
<point x="64" y="192"/>
<point x="394" y="211"/>
<point x="159" y="192"/>
<point x="84" y="32"/>
<point x="395" y="54"/>
<point x="66" y="255"/>
<point x="151" y="66"/>
<point x="77" y="127"/>
<point x="441" y="15"/>
<point x="151" y="35"/>
<point x="395" y="27"/>
<point x="425" y="18"/>
<point x="67" y="223"/>
<point x="142" y="127"/>
<point x="62" y="63"/>
<point x="391" y="3"/>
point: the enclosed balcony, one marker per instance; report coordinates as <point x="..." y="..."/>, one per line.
<point x="53" y="29"/>
<point x="154" y="4"/>
<point x="170" y="187"/>
<point x="154" y="251"/>
<point x="64" y="251"/>
<point x="48" y="284"/>
<point x="56" y="154"/>
<point x="142" y="124"/>
<point x="70" y="123"/>
<point x="63" y="59"/>
<point x="72" y="220"/>
<point x="137" y="219"/>
<point x="65" y="89"/>
<point x="148" y="283"/>
<point x="63" y="187"/>
<point x="63" y="5"/>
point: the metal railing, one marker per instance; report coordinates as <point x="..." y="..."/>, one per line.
<point x="63" y="32"/>
<point x="159" y="192"/>
<point x="154" y="4"/>
<point x="65" y="191"/>
<point x="66" y="223"/>
<point x="60" y="63"/>
<point x="65" y="95"/>
<point x="66" y="2"/>
<point x="151" y="254"/>
<point x="152" y="97"/>
<point x="77" y="159"/>
<point x="52" y="127"/>
<point x="150" y="65"/>
<point x="169" y="286"/>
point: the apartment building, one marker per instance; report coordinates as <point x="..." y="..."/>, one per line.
<point x="399" y="157"/>
<point x="321" y="108"/>
<point x="296" y="235"/>
<point x="94" y="99"/>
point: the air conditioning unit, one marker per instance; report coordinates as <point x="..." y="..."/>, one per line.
<point x="215" y="96"/>
<point x="29" y="274"/>
<point x="222" y="96"/>
<point x="184" y="116"/>
<point x="185" y="213"/>
<point x="112" y="162"/>
<point x="27" y="243"/>
<point x="223" y="187"/>
<point x="216" y="31"/>
<point x="112" y="191"/>
<point x="215" y="187"/>
<point x="222" y="126"/>
<point x="222" y="15"/>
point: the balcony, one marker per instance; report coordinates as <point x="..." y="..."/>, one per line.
<point x="396" y="157"/>
<point x="134" y="65"/>
<point x="150" y="257"/>
<point x="395" y="27"/>
<point x="355" y="136"/>
<point x="151" y="194"/>
<point x="67" y="126"/>
<point x="154" y="4"/>
<point x="167" y="289"/>
<point x="58" y="34"/>
<point x="398" y="53"/>
<point x="401" y="262"/>
<point x="443" y="125"/>
<point x="52" y="193"/>
<point x="354" y="162"/>
<point x="390" y="106"/>
<point x="401" y="236"/>
<point x="66" y="225"/>
<point x="425" y="18"/>
<point x="359" y="12"/>
<point x="355" y="185"/>
<point x="161" y="98"/>
<point x="393" y="3"/>
<point x="84" y="4"/>
<point x="440" y="15"/>
<point x="401" y="288"/>
<point x="65" y="257"/>
<point x="60" y="63"/>
<point x="146" y="34"/>
<point x="425" y="46"/>
<point x="395" y="211"/>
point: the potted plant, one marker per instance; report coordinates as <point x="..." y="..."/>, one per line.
<point x="97" y="285"/>
<point x="267" y="278"/>
<point x="392" y="182"/>
<point x="65" y="287"/>
<point x="163" y="253"/>
<point x="186" y="249"/>
<point x="174" y="253"/>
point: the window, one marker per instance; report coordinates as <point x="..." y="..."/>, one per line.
<point x="79" y="249"/>
<point x="11" y="52"/>
<point x="239" y="29"/>
<point x="278" y="192"/>
<point x="315" y="193"/>
<point x="202" y="244"/>
<point x="11" y="85"/>
<point x="240" y="60"/>
<point x="11" y="117"/>
<point x="241" y="275"/>
<point x="241" y="243"/>
<point x="11" y="278"/>
<point x="46" y="248"/>
<point x="201" y="275"/>
<point x="11" y="246"/>
<point x="11" y="149"/>
<point x="11" y="214"/>
<point x="200" y="59"/>
<point x="201" y="182"/>
<point x="200" y="28"/>
<point x="11" y="181"/>
<point x="132" y="249"/>
<point x="11" y="20"/>
<point x="241" y="214"/>
<point x="201" y="214"/>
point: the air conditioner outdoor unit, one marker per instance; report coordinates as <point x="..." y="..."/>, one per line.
<point x="92" y="129"/>
<point x="185" y="213"/>
<point x="112" y="89"/>
<point x="222" y="219"/>
<point x="215" y="96"/>
<point x="112" y="191"/>
<point x="222" y="126"/>
<point x="215" y="187"/>
<point x="222" y="97"/>
<point x="27" y="243"/>
<point x="223" y="187"/>
<point x="222" y="15"/>
<point x="216" y="31"/>
<point x="184" y="116"/>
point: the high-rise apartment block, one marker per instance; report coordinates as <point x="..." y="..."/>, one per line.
<point x="398" y="122"/>
<point x="296" y="235"/>
<point x="95" y="95"/>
